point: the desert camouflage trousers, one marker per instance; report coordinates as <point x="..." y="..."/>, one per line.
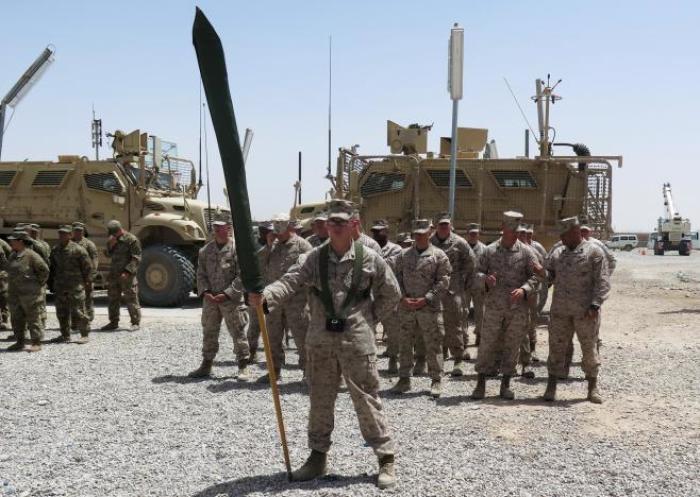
<point x="417" y="325"/>
<point x="501" y="336"/>
<point x="123" y="291"/>
<point x="4" y="308"/>
<point x="527" y="346"/>
<point x="392" y="334"/>
<point x="475" y="298"/>
<point x="294" y="316"/>
<point x="454" y="323"/>
<point x="70" y="308"/>
<point x="236" y="319"/>
<point x="26" y="314"/>
<point x="562" y="328"/>
<point x="326" y="364"/>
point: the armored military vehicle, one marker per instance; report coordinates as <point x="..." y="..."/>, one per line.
<point x="412" y="182"/>
<point x="150" y="192"/>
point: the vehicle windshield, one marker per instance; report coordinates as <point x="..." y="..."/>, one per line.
<point x="173" y="175"/>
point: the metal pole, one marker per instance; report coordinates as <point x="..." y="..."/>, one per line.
<point x="299" y="178"/>
<point x="453" y="158"/>
<point x="2" y="125"/>
<point x="527" y="143"/>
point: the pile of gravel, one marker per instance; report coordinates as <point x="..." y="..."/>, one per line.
<point x="119" y="417"/>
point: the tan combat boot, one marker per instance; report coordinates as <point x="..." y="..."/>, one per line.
<point x="314" y="467"/>
<point x="83" y="338"/>
<point x="506" y="393"/>
<point x="593" y="394"/>
<point x="387" y="472"/>
<point x="393" y="369"/>
<point x="420" y="367"/>
<point x="266" y="378"/>
<point x="551" y="393"/>
<point x="203" y="370"/>
<point x="16" y="347"/>
<point x="34" y="346"/>
<point x="458" y="368"/>
<point x="111" y="326"/>
<point x="62" y="338"/>
<point x="435" y="389"/>
<point x="243" y="371"/>
<point x="402" y="386"/>
<point x="480" y="389"/>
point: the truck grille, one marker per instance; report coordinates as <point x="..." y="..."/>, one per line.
<point x="50" y="178"/>
<point x="441" y="178"/>
<point x="6" y="177"/>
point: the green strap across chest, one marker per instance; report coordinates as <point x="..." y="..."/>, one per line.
<point x="325" y="294"/>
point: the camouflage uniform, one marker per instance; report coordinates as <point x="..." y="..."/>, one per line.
<point x="44" y="250"/>
<point x="352" y="352"/>
<point x="530" y="341"/>
<point x="125" y="255"/>
<point x="462" y="261"/>
<point x="27" y="276"/>
<point x="392" y="330"/>
<point x="71" y="273"/>
<point x="505" y="325"/>
<point x="474" y="292"/>
<point x="315" y="241"/>
<point x="369" y="242"/>
<point x="422" y="274"/>
<point x="218" y="272"/>
<point x="91" y="250"/>
<point x="581" y="280"/>
<point x="4" y="310"/>
<point x="293" y="314"/>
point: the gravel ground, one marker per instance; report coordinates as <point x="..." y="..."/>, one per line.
<point x="119" y="417"/>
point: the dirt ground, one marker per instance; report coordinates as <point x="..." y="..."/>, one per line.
<point x="119" y="417"/>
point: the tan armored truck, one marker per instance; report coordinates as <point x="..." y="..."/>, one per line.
<point x="413" y="182"/>
<point x="152" y="194"/>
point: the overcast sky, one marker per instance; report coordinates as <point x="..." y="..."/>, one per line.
<point x="630" y="73"/>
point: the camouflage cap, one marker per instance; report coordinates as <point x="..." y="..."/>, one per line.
<point x="321" y="216"/>
<point x="280" y="222"/>
<point x="78" y="226"/>
<point x="113" y="226"/>
<point x="219" y="224"/>
<point x="404" y="239"/>
<point x="421" y="226"/>
<point x="380" y="224"/>
<point x="566" y="224"/>
<point x="341" y="209"/>
<point x="19" y="235"/>
<point x="33" y="226"/>
<point x="511" y="219"/>
<point x="473" y="228"/>
<point x="530" y="228"/>
<point x="522" y="228"/>
<point x="66" y="228"/>
<point x="265" y="225"/>
<point x="295" y="223"/>
<point x="442" y="217"/>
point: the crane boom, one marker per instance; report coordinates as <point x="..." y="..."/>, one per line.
<point x="24" y="84"/>
<point x="671" y="212"/>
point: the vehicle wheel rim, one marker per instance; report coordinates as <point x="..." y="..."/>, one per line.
<point x="157" y="277"/>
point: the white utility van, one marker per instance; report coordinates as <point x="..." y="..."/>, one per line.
<point x="622" y="242"/>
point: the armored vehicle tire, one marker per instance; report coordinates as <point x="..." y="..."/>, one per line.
<point x="166" y="276"/>
<point x="628" y="248"/>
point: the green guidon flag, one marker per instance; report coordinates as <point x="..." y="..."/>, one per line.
<point x="212" y="67"/>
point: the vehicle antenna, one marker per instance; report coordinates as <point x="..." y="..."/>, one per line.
<point x="206" y="162"/>
<point x="200" y="134"/>
<point x="330" y="94"/>
<point x="522" y="113"/>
